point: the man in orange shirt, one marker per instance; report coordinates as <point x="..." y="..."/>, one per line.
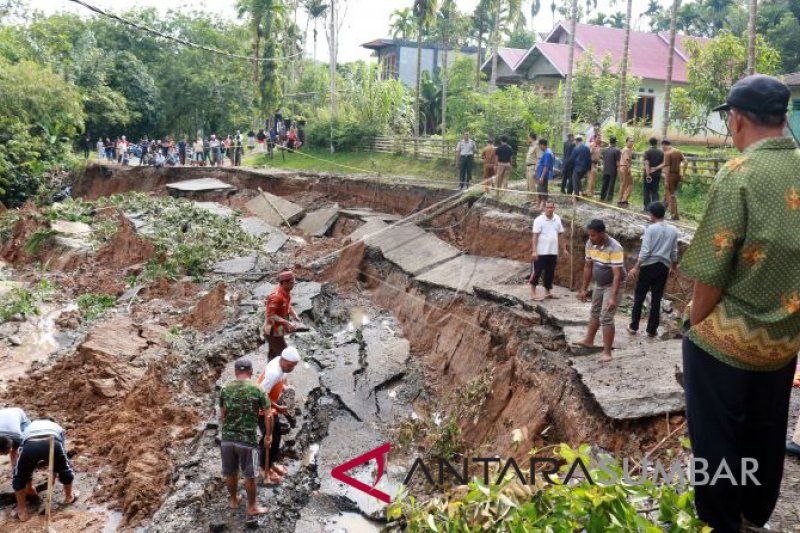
<point x="279" y="314"/>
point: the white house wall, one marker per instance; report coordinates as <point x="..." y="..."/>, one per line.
<point x="407" y="64"/>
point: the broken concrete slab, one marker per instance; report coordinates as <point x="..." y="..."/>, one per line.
<point x="237" y="265"/>
<point x="465" y="272"/>
<point x="412" y="249"/>
<point x="369" y="229"/>
<point x="318" y="223"/>
<point x="255" y="226"/>
<point x="274" y="209"/>
<point x="639" y="382"/>
<point x="200" y="185"/>
<point x="323" y="514"/>
<point x="386" y="355"/>
<point x="303" y="295"/>
<point x="215" y="208"/>
<point x="275" y="242"/>
<point x="74" y="229"/>
<point x="367" y="214"/>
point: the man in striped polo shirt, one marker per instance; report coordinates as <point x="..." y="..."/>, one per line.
<point x="605" y="264"/>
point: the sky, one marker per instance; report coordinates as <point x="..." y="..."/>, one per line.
<point x="364" y="20"/>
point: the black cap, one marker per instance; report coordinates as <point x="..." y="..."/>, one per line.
<point x="666" y="141"/>
<point x="243" y="364"/>
<point x="759" y="94"/>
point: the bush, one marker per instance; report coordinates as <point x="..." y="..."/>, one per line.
<point x="94" y="305"/>
<point x="347" y="134"/>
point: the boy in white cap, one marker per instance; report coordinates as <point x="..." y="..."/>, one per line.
<point x="272" y="381"/>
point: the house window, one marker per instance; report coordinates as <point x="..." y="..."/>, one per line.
<point x="642" y="110"/>
<point x="389" y="66"/>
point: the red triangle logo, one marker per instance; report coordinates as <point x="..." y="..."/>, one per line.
<point x="378" y="453"/>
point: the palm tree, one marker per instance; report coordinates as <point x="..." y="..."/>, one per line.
<point x="402" y="24"/>
<point x="623" y="71"/>
<point x="316" y="10"/>
<point x="424" y="14"/>
<point x="573" y="22"/>
<point x="480" y="25"/>
<point x="673" y="23"/>
<point x="505" y="13"/>
<point x="536" y="6"/>
<point x="751" y="34"/>
<point x="617" y="20"/>
<point x="257" y="11"/>
<point x="446" y="12"/>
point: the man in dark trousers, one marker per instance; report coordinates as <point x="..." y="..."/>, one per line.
<point x="566" y="170"/>
<point x="580" y="161"/>
<point x="465" y="159"/>
<point x="653" y="163"/>
<point x="657" y="257"/>
<point x="279" y="314"/>
<point x="611" y="158"/>
<point x="740" y="353"/>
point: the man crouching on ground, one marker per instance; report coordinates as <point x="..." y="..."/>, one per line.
<point x="35" y="449"/>
<point x="240" y="403"/>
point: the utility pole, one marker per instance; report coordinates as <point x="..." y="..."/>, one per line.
<point x="751" y="34"/>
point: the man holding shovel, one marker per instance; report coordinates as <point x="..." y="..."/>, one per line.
<point x="280" y="314"/>
<point x="35" y="449"/>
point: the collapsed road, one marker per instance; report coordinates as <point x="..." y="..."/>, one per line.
<point x="408" y="318"/>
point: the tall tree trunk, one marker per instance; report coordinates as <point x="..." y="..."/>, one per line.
<point x="419" y="88"/>
<point x="315" y="42"/>
<point x="480" y="62"/>
<point x="255" y="60"/>
<point x="573" y="21"/>
<point x="751" y="33"/>
<point x="673" y="23"/>
<point x="444" y="81"/>
<point x="623" y="73"/>
<point x="332" y="66"/>
<point x="495" y="46"/>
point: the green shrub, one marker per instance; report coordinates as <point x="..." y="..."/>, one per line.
<point x="94" y="305"/>
<point x="18" y="302"/>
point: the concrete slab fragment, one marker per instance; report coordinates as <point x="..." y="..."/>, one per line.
<point x="200" y="185"/>
<point x="465" y="272"/>
<point x="238" y="265"/>
<point x="317" y="223"/>
<point x="276" y="241"/>
<point x="639" y="382"/>
<point x="215" y="208"/>
<point x="73" y="229"/>
<point x="303" y="294"/>
<point x="366" y="214"/>
<point x="255" y="226"/>
<point x="276" y="210"/>
<point x="412" y="249"/>
<point x="367" y="230"/>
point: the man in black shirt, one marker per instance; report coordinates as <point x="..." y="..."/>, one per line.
<point x="611" y="157"/>
<point x="566" y="169"/>
<point x="653" y="160"/>
<point x="505" y="158"/>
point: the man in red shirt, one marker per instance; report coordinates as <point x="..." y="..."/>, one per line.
<point x="280" y="313"/>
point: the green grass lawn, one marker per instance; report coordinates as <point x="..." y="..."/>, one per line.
<point x="691" y="199"/>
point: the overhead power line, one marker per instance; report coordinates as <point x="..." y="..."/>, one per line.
<point x="178" y="40"/>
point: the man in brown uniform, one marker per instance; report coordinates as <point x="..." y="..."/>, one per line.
<point x="489" y="156"/>
<point x="626" y="184"/>
<point x="672" y="172"/>
<point x="595" y="145"/>
<point x="532" y="161"/>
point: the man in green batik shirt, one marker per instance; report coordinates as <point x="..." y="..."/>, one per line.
<point x="240" y="403"/>
<point x="739" y="355"/>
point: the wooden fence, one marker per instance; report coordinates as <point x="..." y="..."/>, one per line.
<point x="701" y="169"/>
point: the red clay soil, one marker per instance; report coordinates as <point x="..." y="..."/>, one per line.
<point x="209" y="311"/>
<point x="13" y="250"/>
<point x="126" y="247"/>
<point x="345" y="271"/>
<point x="119" y="415"/>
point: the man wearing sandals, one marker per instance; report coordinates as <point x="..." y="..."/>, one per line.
<point x="548" y="237"/>
<point x="605" y="264"/>
<point x="35" y="450"/>
<point x="241" y="404"/>
<point x="273" y="382"/>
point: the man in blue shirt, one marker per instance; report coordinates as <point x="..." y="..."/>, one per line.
<point x="580" y="161"/>
<point x="544" y="172"/>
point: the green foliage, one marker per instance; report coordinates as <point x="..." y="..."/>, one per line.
<point x="23" y="302"/>
<point x="595" y="89"/>
<point x="712" y="69"/>
<point x="510" y="506"/>
<point x="37" y="240"/>
<point x="94" y="305"/>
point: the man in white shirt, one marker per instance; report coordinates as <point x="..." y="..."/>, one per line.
<point x="273" y="382"/>
<point x="465" y="157"/>
<point x="548" y="238"/>
<point x="35" y="449"/>
<point x="13" y="423"/>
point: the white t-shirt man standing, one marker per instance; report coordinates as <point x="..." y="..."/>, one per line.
<point x="548" y="238"/>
